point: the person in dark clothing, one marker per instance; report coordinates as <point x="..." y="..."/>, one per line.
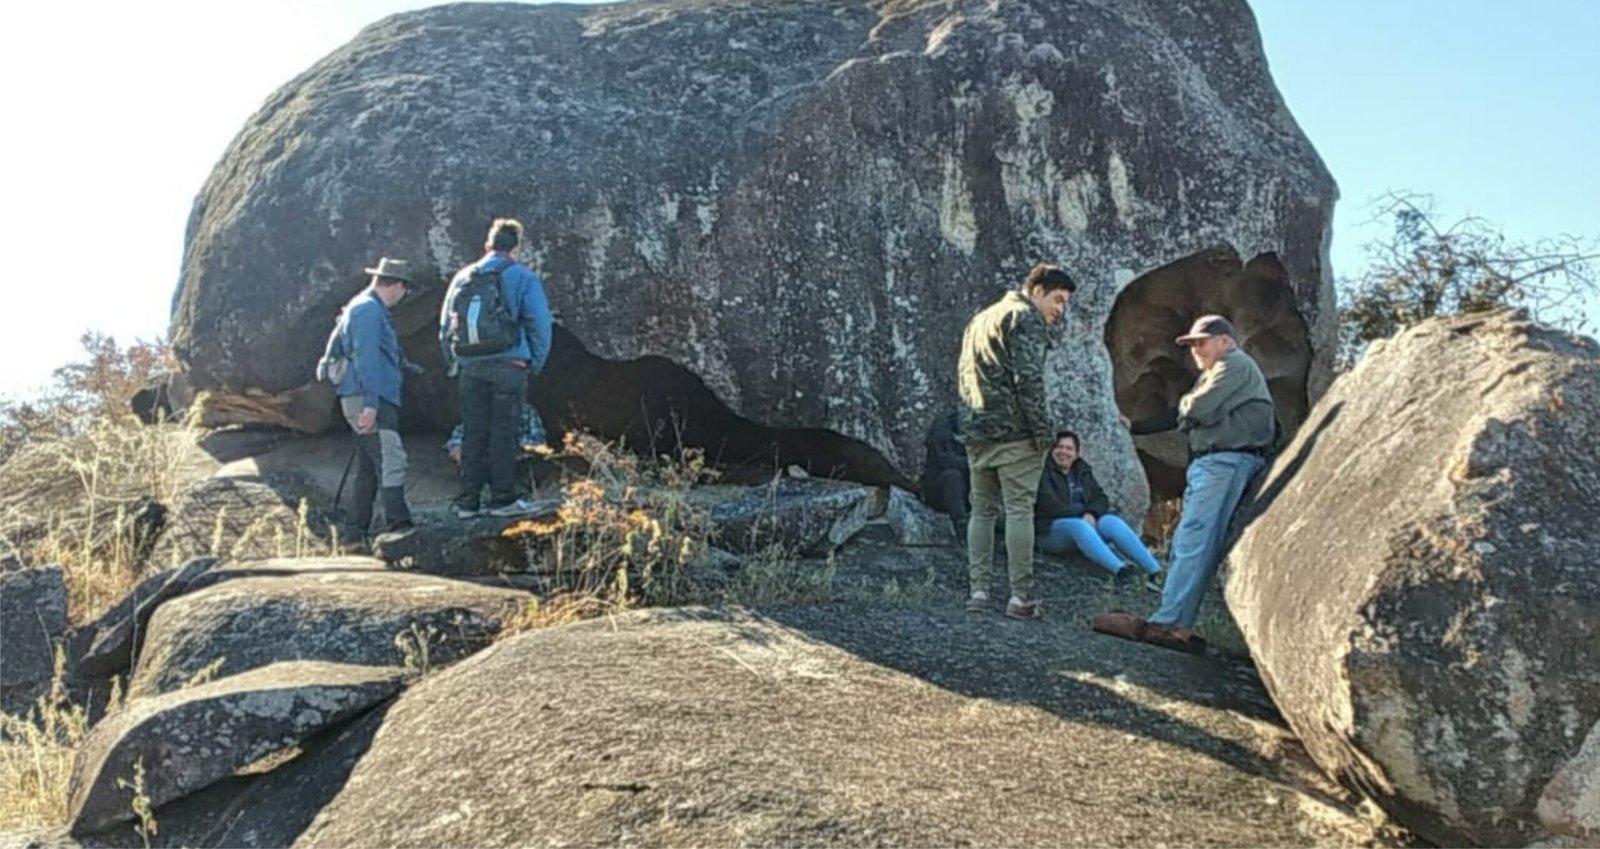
<point x="1072" y="513"/>
<point x="493" y="387"/>
<point x="945" y="478"/>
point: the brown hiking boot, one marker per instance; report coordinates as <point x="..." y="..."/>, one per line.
<point x="978" y="602"/>
<point x="1021" y="608"/>
<point x="1169" y="637"/>
<point x="1118" y="623"/>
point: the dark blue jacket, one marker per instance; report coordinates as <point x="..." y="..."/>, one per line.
<point x="375" y="360"/>
<point x="524" y="295"/>
<point x="1067" y="495"/>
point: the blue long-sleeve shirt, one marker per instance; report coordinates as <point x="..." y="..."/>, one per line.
<point x="524" y="295"/>
<point x="375" y="371"/>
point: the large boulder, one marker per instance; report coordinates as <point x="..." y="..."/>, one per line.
<point x="839" y="725"/>
<point x="185" y="740"/>
<point x="346" y="610"/>
<point x="1420" y="590"/>
<point x="788" y="208"/>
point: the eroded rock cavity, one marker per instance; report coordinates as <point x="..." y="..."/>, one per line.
<point x="658" y="407"/>
<point x="1150" y="373"/>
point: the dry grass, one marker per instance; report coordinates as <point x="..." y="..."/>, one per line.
<point x="631" y="533"/>
<point x="71" y="498"/>
<point x="36" y="755"/>
<point x="626" y="534"/>
<point x="75" y="468"/>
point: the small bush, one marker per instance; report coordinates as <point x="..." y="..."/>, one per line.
<point x="635" y="532"/>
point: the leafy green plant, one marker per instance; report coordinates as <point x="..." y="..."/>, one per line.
<point x="139" y="800"/>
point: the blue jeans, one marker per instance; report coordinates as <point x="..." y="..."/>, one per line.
<point x="1067" y="535"/>
<point x="1216" y="483"/>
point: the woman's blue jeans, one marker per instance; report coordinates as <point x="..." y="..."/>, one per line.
<point x="1096" y="543"/>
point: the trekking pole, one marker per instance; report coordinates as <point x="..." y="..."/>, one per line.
<point x="339" y="492"/>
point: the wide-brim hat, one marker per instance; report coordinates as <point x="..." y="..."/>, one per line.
<point x="1207" y="326"/>
<point x="394" y="269"/>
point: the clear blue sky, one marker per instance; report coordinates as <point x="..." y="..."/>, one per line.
<point x="117" y="111"/>
<point x="1492" y="107"/>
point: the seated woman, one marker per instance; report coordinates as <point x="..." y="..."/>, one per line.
<point x="1072" y="513"/>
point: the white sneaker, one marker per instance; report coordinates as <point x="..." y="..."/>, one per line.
<point x="520" y="507"/>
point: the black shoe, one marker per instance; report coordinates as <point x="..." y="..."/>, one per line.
<point x="1133" y="578"/>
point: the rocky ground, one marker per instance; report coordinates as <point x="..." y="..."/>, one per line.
<point x="878" y="713"/>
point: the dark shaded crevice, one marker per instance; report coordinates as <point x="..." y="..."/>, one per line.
<point x="1150" y="372"/>
<point x="655" y="406"/>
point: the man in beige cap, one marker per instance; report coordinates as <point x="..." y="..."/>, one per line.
<point x="369" y="397"/>
<point x="1232" y="428"/>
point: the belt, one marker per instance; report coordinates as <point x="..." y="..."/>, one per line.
<point x="1259" y="452"/>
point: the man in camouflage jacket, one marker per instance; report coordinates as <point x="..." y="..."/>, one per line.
<point x="1007" y="429"/>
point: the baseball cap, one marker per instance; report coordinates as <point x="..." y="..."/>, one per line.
<point x="1207" y="326"/>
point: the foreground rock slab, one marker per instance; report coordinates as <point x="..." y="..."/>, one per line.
<point x="186" y="740"/>
<point x="347" y="610"/>
<point x="839" y="725"/>
<point x="1420" y="589"/>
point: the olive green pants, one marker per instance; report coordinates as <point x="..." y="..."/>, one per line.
<point x="1005" y="476"/>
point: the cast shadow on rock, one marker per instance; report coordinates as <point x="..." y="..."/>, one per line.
<point x="1072" y="675"/>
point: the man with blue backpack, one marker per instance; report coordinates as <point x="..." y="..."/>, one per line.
<point x="494" y="331"/>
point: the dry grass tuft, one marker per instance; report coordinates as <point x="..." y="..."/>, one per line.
<point x="631" y="532"/>
<point x="36" y="755"/>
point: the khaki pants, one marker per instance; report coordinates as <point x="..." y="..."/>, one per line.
<point x="1005" y="475"/>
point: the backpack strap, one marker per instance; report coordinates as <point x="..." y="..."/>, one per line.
<point x="514" y="309"/>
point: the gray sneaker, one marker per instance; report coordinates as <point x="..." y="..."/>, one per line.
<point x="520" y="507"/>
